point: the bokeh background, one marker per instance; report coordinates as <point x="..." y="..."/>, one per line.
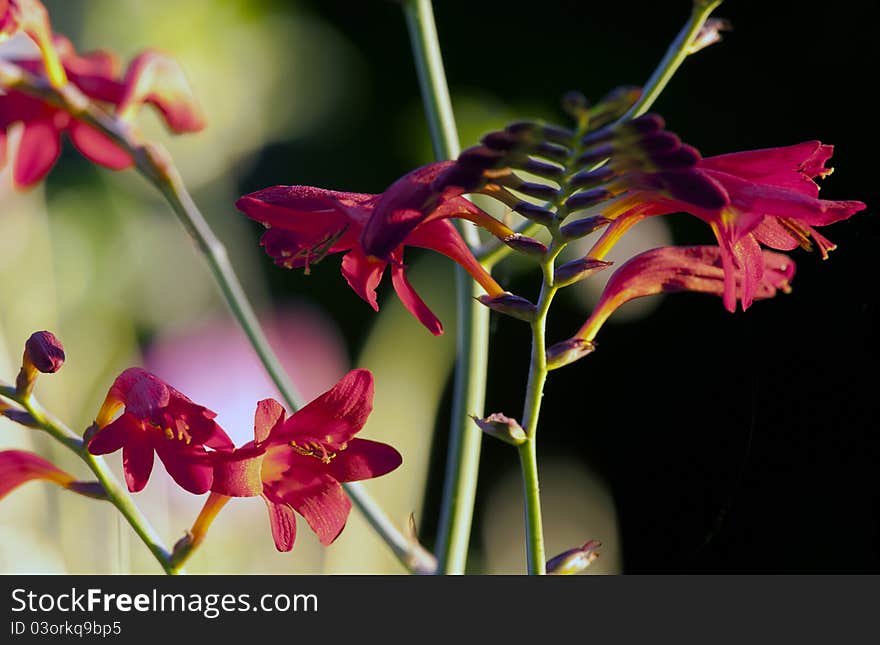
<point x="691" y="441"/>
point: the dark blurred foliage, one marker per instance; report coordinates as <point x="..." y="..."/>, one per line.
<point x="743" y="443"/>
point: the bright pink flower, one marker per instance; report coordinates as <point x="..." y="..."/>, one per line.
<point x="157" y="418"/>
<point x="31" y="18"/>
<point x="18" y="467"/>
<point x="297" y="463"/>
<point x="151" y="78"/>
<point x="684" y="268"/>
<point x="306" y="224"/>
<point x="748" y="198"/>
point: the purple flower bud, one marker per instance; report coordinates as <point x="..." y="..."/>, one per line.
<point x="44" y="351"/>
<point x="683" y="157"/>
<point x="587" y="198"/>
<point x="502" y="427"/>
<point x="501" y="141"/>
<point x="481" y="157"/>
<point x="525" y="245"/>
<point x="573" y="560"/>
<point x="577" y="270"/>
<point x="542" y="168"/>
<point x="510" y="305"/>
<point x="535" y="213"/>
<point x="694" y="187"/>
<point x="20" y="417"/>
<point x="532" y="189"/>
<point x="568" y="351"/>
<point x="540" y="132"/>
<point x="646" y="124"/>
<point x="581" y="227"/>
<point x="553" y="151"/>
<point x="660" y="143"/>
<point x="592" y="178"/>
<point x="90" y="489"/>
<point x="593" y="155"/>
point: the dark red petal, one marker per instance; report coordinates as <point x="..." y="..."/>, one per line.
<point x="363" y="274"/>
<point x="283" y="523"/>
<point x="98" y="148"/>
<point x="190" y="467"/>
<point x="320" y="500"/>
<point x="333" y="418"/>
<point x="18" y="467"/>
<point x="269" y="414"/>
<point x="137" y="461"/>
<point x="307" y="210"/>
<point x="364" y="459"/>
<point x="411" y="300"/>
<point x="238" y="475"/>
<point x="38" y="150"/>
<point x="112" y="437"/>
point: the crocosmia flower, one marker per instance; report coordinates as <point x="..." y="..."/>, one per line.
<point x="298" y="463"/>
<point x="157" y="418"/>
<point x="749" y="198"/>
<point x="306" y="224"/>
<point x="151" y="78"/>
<point x="30" y="17"/>
<point x="18" y="467"/>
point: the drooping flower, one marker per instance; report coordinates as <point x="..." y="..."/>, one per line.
<point x="298" y="463"/>
<point x="671" y="270"/>
<point x="151" y="78"/>
<point x="749" y="198"/>
<point x="43" y="353"/>
<point x="157" y="418"/>
<point x="18" y="467"/>
<point x="31" y="18"/>
<point x="306" y="224"/>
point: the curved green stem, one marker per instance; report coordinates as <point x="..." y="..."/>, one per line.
<point x="157" y="166"/>
<point x="472" y="342"/>
<point x="116" y="495"/>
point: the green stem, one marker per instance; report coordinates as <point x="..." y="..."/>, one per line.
<point x="675" y="55"/>
<point x="156" y="166"/>
<point x="469" y="393"/>
<point x="115" y="493"/>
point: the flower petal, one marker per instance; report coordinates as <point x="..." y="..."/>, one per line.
<point x="137" y="461"/>
<point x="307" y="210"/>
<point x="269" y="414"/>
<point x="97" y="147"/>
<point x="363" y="274"/>
<point x="283" y="523"/>
<point x="189" y="466"/>
<point x="18" y="467"/>
<point x="364" y="459"/>
<point x="411" y="300"/>
<point x="239" y="474"/>
<point x="319" y="499"/>
<point x="38" y="150"/>
<point x="112" y="437"/>
<point x="333" y="418"/>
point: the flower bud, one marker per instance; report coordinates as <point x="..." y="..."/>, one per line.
<point x="710" y="33"/>
<point x="502" y="427"/>
<point x="593" y="178"/>
<point x="44" y="353"/>
<point x="573" y="560"/>
<point x="510" y="305"/>
<point x="535" y="213"/>
<point x="568" y="351"/>
<point x="525" y="245"/>
<point x="582" y="227"/>
<point x="576" y="270"/>
<point x="587" y="198"/>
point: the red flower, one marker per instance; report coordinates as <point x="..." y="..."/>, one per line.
<point x="151" y="78"/>
<point x="297" y="463"/>
<point x="18" y="467"/>
<point x="748" y="198"/>
<point x="306" y="224"/>
<point x="31" y="18"/>
<point x="157" y="418"/>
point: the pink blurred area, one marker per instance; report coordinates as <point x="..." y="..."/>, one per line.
<point x="214" y="365"/>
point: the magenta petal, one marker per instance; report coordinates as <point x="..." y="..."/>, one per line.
<point x="333" y="418"/>
<point x="411" y="300"/>
<point x="98" y="148"/>
<point x="771" y="233"/>
<point x="364" y="459"/>
<point x="363" y="274"/>
<point x="137" y="461"/>
<point x="321" y="501"/>
<point x="2" y="147"/>
<point x="283" y="523"/>
<point x="305" y="209"/>
<point x="18" y="467"/>
<point x="750" y="261"/>
<point x="38" y="151"/>
<point x="239" y="475"/>
<point x="190" y="467"/>
<point x="112" y="437"/>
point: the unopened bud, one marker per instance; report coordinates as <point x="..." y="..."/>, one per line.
<point x="568" y="351"/>
<point x="582" y="227"/>
<point x="95" y="490"/>
<point x="592" y="178"/>
<point x="535" y="213"/>
<point x="510" y="305"/>
<point x="525" y="245"/>
<point x="576" y="270"/>
<point x="20" y="417"/>
<point x="587" y="198"/>
<point x="573" y="560"/>
<point x="710" y="33"/>
<point x="502" y="427"/>
<point x="44" y="353"/>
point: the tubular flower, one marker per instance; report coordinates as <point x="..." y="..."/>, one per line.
<point x="748" y="198"/>
<point x="151" y="78"/>
<point x="18" y="467"/>
<point x="157" y="418"/>
<point x="297" y="463"/>
<point x="686" y="268"/>
<point x="306" y="224"/>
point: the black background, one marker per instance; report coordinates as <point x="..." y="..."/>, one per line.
<point x="743" y="443"/>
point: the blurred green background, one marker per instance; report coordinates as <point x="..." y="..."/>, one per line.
<point x="691" y="441"/>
